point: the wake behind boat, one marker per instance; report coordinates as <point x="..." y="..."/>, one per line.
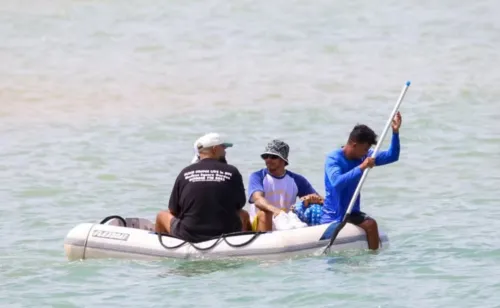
<point x="134" y="238"/>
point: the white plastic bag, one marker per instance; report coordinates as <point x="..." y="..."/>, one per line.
<point x="287" y="221"/>
<point x="295" y="220"/>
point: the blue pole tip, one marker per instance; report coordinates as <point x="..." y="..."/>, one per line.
<point x="408" y="83"/>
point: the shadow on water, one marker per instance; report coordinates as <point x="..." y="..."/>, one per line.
<point x="345" y="261"/>
<point x="348" y="261"/>
<point x="202" y="267"/>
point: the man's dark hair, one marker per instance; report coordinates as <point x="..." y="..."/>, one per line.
<point x="363" y="134"/>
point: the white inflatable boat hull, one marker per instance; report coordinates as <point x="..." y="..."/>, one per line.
<point x="99" y="241"/>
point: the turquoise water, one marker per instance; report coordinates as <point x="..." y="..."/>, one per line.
<point x="101" y="101"/>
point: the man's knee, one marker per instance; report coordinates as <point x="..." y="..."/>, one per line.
<point x="162" y="215"/>
<point x="246" y="225"/>
<point x="265" y="221"/>
<point x="264" y="215"/>
<point x="163" y="221"/>
<point x="370" y="225"/>
<point x="244" y="215"/>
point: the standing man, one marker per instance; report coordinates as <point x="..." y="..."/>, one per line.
<point x="207" y="197"/>
<point x="274" y="189"/>
<point x="343" y="170"/>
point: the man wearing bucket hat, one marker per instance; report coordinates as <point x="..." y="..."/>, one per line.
<point x="275" y="189"/>
<point x="207" y="198"/>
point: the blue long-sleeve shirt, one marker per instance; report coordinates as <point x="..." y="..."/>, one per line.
<point x="342" y="177"/>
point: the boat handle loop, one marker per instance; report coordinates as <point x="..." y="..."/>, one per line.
<point x="105" y="220"/>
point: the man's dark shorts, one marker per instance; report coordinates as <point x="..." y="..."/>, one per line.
<point x="357" y="218"/>
<point x="175" y="227"/>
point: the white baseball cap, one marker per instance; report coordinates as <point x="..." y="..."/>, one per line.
<point x="206" y="141"/>
<point x="211" y="140"/>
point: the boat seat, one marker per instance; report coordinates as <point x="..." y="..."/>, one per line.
<point x="134" y="222"/>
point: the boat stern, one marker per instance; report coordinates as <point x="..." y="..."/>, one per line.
<point x="76" y="241"/>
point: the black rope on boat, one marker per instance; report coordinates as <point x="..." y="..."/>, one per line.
<point x="209" y="247"/>
<point x="253" y="238"/>
<point x="222" y="237"/>
<point x="105" y="220"/>
<point x="160" y="238"/>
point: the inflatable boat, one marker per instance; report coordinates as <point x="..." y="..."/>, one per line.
<point x="134" y="238"/>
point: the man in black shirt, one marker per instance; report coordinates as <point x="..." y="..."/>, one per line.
<point x="207" y="197"/>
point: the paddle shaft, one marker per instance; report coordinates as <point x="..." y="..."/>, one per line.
<point x="365" y="172"/>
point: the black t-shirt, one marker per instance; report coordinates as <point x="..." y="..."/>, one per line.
<point x="207" y="197"/>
